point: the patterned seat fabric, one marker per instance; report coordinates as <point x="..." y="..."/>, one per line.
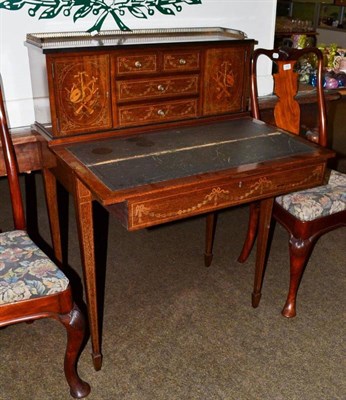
<point x="25" y="271"/>
<point x="319" y="201"/>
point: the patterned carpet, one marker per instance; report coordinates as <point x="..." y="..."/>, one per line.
<point x="175" y="330"/>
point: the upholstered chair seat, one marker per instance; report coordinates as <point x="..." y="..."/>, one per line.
<point x="25" y="271"/>
<point x="320" y="201"/>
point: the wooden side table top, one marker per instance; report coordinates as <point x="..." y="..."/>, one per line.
<point x="31" y="148"/>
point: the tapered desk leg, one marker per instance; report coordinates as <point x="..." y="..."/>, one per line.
<point x="266" y="207"/>
<point x="50" y="186"/>
<point x="84" y="216"/>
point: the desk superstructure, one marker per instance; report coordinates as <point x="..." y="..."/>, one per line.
<point x="117" y="80"/>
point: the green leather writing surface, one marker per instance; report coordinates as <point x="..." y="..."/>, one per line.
<point x="122" y="163"/>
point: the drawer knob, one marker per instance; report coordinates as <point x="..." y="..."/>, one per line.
<point x="182" y="61"/>
<point x="161" y="113"/>
<point x="138" y="64"/>
<point x="161" y="88"/>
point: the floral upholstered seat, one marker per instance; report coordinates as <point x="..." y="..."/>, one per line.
<point x="319" y="201"/>
<point x="25" y="271"/>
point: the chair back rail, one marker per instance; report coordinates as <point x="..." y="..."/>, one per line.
<point x="11" y="168"/>
<point x="287" y="110"/>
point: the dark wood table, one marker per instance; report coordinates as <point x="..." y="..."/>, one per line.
<point x="174" y="173"/>
<point x="30" y="148"/>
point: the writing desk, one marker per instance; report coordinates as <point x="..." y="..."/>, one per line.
<point x="154" y="125"/>
<point x="170" y="174"/>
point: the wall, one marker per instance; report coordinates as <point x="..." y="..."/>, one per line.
<point x="255" y="17"/>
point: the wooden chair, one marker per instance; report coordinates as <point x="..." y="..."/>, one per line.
<point x="307" y="214"/>
<point x="31" y="285"/>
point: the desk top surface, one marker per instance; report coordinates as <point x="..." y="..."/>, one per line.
<point x="129" y="162"/>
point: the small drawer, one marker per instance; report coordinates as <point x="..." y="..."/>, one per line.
<point x="159" y="112"/>
<point x="136" y="64"/>
<point x="162" y="87"/>
<point x="181" y="61"/>
<point x="145" y="212"/>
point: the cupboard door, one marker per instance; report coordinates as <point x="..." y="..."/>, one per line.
<point x="81" y="101"/>
<point x="225" y="80"/>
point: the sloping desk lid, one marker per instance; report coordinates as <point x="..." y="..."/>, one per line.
<point x="123" y="163"/>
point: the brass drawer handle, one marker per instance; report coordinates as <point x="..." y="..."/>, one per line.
<point x="182" y="61"/>
<point x="161" y="88"/>
<point x="138" y="64"/>
<point x="161" y="113"/>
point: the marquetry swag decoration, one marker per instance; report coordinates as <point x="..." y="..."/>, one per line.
<point x="142" y="213"/>
<point x="101" y="9"/>
<point x="213" y="197"/>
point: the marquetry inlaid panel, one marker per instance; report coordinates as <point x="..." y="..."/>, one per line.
<point x="225" y="80"/>
<point x="82" y="90"/>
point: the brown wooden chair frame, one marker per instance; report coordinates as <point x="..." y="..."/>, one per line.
<point x="59" y="306"/>
<point x="303" y="235"/>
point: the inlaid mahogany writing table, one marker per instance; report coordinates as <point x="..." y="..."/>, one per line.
<point x="149" y="179"/>
<point x="154" y="125"/>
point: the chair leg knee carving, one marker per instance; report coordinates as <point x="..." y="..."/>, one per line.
<point x="300" y="251"/>
<point x="75" y="327"/>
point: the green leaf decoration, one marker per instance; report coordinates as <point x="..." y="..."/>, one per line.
<point x="100" y="8"/>
<point x="82" y="12"/>
<point x="193" y="1"/>
<point x="164" y="10"/>
<point x="137" y="12"/>
<point x="12" y="5"/>
<point x="50" y="13"/>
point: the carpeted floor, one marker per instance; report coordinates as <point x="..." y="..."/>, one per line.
<point x="175" y="330"/>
